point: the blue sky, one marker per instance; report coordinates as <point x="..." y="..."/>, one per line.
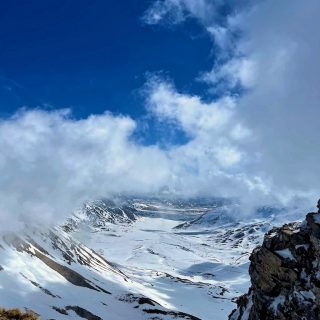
<point x="92" y="56"/>
<point x="205" y="98"/>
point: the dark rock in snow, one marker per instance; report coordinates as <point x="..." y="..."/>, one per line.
<point x="285" y="275"/>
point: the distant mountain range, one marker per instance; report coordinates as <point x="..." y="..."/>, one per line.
<point x="133" y="258"/>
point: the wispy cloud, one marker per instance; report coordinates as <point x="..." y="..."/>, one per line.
<point x="177" y="11"/>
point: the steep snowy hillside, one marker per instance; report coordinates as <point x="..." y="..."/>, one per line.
<point x="100" y="214"/>
<point x="57" y="277"/>
<point x="148" y="259"/>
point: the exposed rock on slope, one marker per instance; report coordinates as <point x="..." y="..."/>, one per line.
<point x="214" y="217"/>
<point x="48" y="271"/>
<point x="16" y="314"/>
<point x="157" y="271"/>
<point x="100" y="214"/>
<point x="285" y="275"/>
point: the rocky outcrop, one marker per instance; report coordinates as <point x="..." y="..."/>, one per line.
<point x="285" y="275"/>
<point x="16" y="314"/>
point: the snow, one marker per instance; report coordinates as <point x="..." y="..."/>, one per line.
<point x="305" y="246"/>
<point x="316" y="218"/>
<point x="285" y="253"/>
<point x="246" y="313"/>
<point x="277" y="301"/>
<point x="196" y="271"/>
<point x="308" y="295"/>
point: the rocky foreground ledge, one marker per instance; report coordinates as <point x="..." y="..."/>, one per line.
<point x="285" y="275"/>
<point x="16" y="314"/>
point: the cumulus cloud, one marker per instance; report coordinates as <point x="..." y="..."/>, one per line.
<point x="284" y="106"/>
<point x="260" y="145"/>
<point x="188" y="111"/>
<point x="50" y="163"/>
<point x="267" y="58"/>
<point x="235" y="73"/>
<point x="212" y="162"/>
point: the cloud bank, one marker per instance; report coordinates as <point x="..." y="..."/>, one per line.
<point x="50" y="163"/>
<point x="267" y="62"/>
<point x="257" y="139"/>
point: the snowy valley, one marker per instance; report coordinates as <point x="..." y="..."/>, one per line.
<point x="133" y="259"/>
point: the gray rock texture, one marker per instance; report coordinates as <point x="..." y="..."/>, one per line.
<point x="285" y="275"/>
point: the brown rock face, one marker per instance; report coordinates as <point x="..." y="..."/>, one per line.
<point x="285" y="275"/>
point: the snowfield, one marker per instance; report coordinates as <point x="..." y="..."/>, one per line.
<point x="144" y="259"/>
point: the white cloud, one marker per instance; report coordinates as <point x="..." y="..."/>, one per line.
<point x="228" y="156"/>
<point x="189" y="112"/>
<point x="220" y="35"/>
<point x="51" y="163"/>
<point x="209" y="163"/>
<point x="260" y="146"/>
<point x="212" y="126"/>
<point x="284" y="107"/>
<point x="168" y="10"/>
<point x="238" y="71"/>
<point x="271" y="49"/>
<point x="176" y="11"/>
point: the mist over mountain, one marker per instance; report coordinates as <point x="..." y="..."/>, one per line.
<point x="136" y="258"/>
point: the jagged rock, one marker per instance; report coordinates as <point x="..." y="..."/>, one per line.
<point x="285" y="275"/>
<point x="16" y="314"/>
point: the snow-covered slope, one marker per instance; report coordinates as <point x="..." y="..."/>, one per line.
<point x="221" y="215"/>
<point x="59" y="278"/>
<point x="100" y="214"/>
<point x="148" y="259"/>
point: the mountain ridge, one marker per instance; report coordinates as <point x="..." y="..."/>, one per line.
<point x="127" y="259"/>
<point x="285" y="274"/>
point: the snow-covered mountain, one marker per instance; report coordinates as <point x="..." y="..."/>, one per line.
<point x="132" y="259"/>
<point x="100" y="214"/>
